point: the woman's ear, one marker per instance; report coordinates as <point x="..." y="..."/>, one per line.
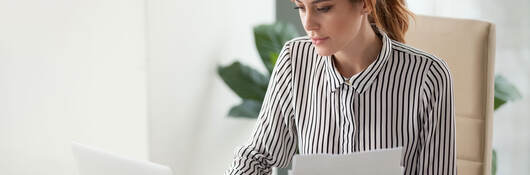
<point x="366" y="6"/>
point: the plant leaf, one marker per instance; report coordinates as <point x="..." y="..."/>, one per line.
<point x="270" y="39"/>
<point x="497" y="102"/>
<point x="246" y="82"/>
<point x="247" y="109"/>
<point x="273" y="58"/>
<point x="504" y="91"/>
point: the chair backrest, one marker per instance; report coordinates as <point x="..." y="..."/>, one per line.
<point x="468" y="46"/>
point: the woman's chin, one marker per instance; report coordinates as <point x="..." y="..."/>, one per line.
<point x="322" y="51"/>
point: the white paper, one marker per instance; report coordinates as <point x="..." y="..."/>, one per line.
<point x="378" y="162"/>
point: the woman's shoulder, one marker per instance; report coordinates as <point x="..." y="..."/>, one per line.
<point x="436" y="66"/>
<point x="301" y="54"/>
<point x="297" y="45"/>
<point x="421" y="54"/>
<point x="289" y="52"/>
<point x="299" y="40"/>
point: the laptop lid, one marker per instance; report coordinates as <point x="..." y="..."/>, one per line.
<point x="94" y="161"/>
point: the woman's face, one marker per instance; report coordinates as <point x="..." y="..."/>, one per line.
<point x="331" y="24"/>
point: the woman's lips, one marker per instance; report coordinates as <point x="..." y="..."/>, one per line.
<point x="319" y="40"/>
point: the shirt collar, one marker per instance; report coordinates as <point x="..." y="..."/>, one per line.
<point x="368" y="75"/>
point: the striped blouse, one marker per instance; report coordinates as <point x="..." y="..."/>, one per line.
<point x="402" y="99"/>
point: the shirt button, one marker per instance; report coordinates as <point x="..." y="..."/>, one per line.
<point x="347" y="81"/>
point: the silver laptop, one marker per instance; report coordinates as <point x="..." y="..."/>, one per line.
<point x="94" y="161"/>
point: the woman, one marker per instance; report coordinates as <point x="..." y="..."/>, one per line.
<point x="351" y="85"/>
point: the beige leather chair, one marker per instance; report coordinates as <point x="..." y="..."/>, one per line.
<point x="468" y="46"/>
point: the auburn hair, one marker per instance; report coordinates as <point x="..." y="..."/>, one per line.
<point x="391" y="16"/>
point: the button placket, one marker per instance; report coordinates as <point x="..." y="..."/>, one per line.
<point x="348" y="115"/>
<point x="343" y="116"/>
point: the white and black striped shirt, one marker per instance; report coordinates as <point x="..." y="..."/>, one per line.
<point x="402" y="99"/>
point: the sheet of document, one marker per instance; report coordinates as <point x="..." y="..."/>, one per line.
<point x="378" y="162"/>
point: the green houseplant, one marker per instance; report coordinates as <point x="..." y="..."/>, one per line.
<point x="248" y="83"/>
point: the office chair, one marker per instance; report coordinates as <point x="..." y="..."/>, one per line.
<point x="468" y="46"/>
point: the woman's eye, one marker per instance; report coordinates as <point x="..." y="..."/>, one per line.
<point x="299" y="8"/>
<point x="324" y="9"/>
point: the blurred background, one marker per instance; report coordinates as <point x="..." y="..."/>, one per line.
<point x="138" y="78"/>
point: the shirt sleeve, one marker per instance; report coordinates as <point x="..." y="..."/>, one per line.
<point x="274" y="141"/>
<point x="437" y="154"/>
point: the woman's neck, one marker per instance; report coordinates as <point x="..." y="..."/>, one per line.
<point x="360" y="53"/>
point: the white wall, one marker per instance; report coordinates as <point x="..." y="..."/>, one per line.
<point x="188" y="102"/>
<point x="70" y="70"/>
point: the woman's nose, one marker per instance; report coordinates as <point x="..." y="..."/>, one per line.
<point x="310" y="24"/>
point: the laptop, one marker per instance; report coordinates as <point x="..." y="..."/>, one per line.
<point x="94" y="161"/>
